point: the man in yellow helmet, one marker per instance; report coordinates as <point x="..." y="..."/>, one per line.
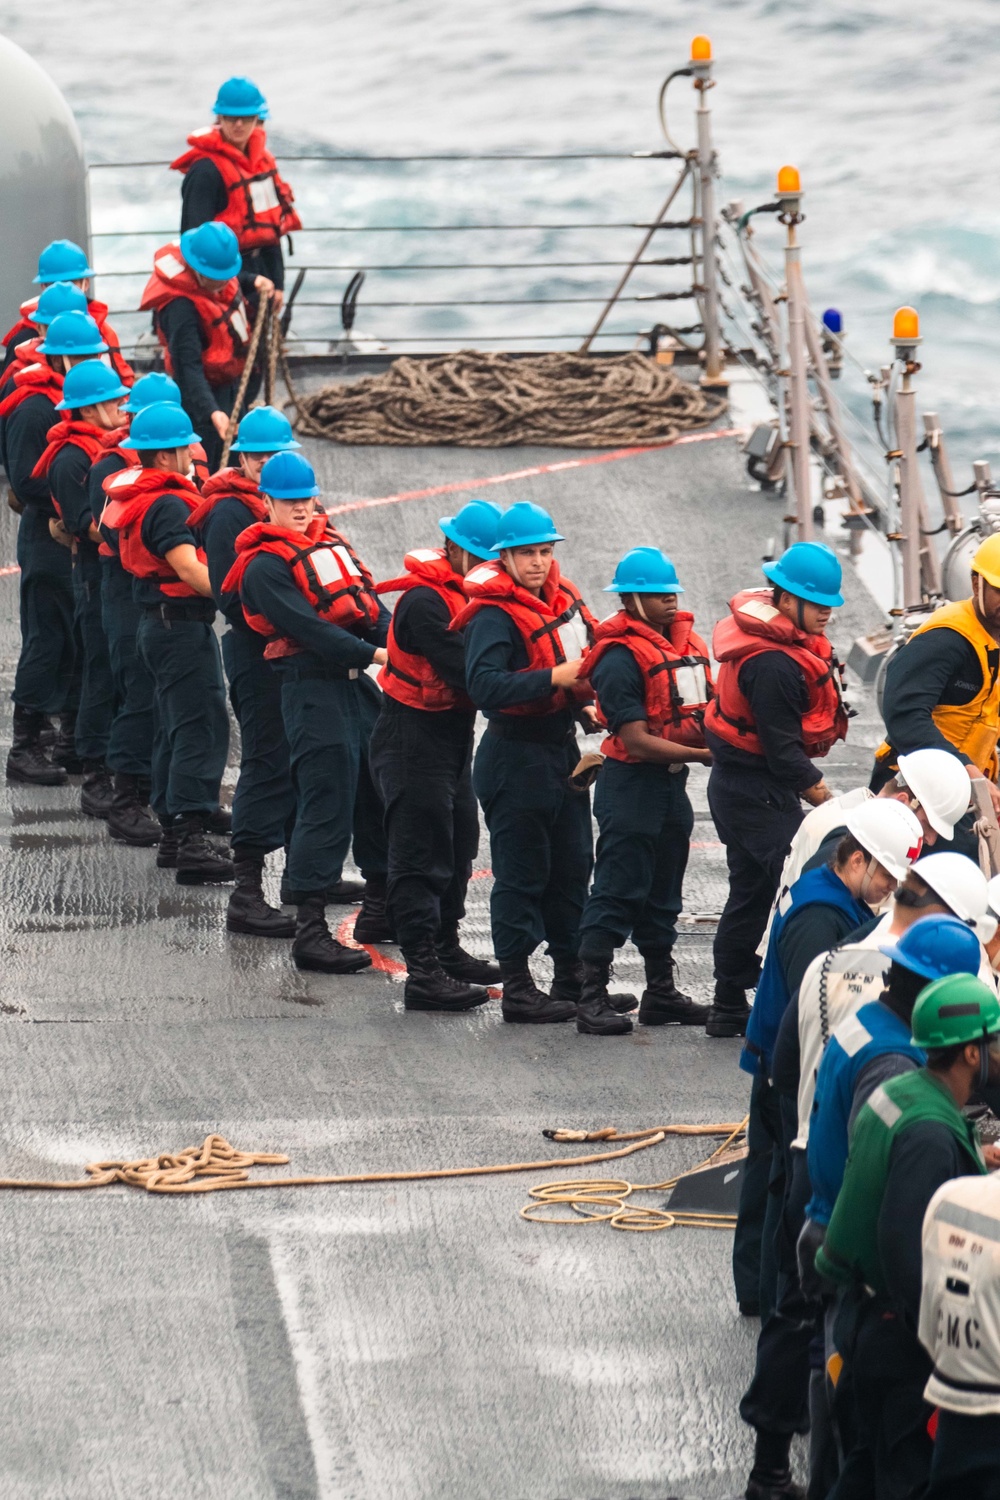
<point x="942" y="689"/>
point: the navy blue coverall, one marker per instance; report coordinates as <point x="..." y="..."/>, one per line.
<point x="177" y="644"/>
<point x="540" y="833"/>
<point x="68" y="480"/>
<point x="645" y="820"/>
<point x="130" y="743"/>
<point x="264" y="802"/>
<point x="46" y="679"/>
<point x="422" y="765"/>
<point x="329" y="706"/>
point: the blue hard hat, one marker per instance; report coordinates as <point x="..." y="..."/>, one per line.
<point x="240" y="97"/>
<point x="264" y="430"/>
<point x="73" y="333"/>
<point x="63" y="261"/>
<point x="212" y="250"/>
<point x="58" y="297"/>
<point x="808" y="570"/>
<point x="162" y="424"/>
<point x="645" y="570"/>
<point x="89" y="383"/>
<point x="525" y="525"/>
<point x="287" y="476"/>
<point x="153" y="387"/>
<point x="474" y="527"/>
<point x="937" y="946"/>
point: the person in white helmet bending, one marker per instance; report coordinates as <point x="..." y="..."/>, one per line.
<point x="822" y="908"/>
<point x="931" y="782"/>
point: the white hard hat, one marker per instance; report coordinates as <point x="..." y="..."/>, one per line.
<point x="941" y="785"/>
<point x="962" y="887"/>
<point x="993" y="895"/>
<point x="889" y="831"/>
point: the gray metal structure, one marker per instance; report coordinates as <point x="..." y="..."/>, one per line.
<point x="43" y="176"/>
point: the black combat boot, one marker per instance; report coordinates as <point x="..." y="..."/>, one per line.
<point x="595" y="1015"/>
<point x="248" y="911"/>
<point x="26" y="760"/>
<point x="128" y="820"/>
<point x="199" y="861"/>
<point x="461" y="965"/>
<point x="429" y="987"/>
<point x="346" y="892"/>
<point x="97" y="795"/>
<point x="662" y="1002"/>
<point x="770" y="1477"/>
<point x="568" y="985"/>
<point x="166" y="853"/>
<point x="221" y="821"/>
<point x="524" y="1001"/>
<point x="372" y="923"/>
<point x="315" y="947"/>
<point x="47" y="735"/>
<point x="729" y="1012"/>
<point x="64" y="749"/>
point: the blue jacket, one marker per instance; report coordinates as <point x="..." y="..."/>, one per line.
<point x="873" y="1032"/>
<point x="821" y="887"/>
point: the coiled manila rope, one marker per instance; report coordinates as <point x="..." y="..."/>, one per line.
<point x="215" y="1165"/>
<point x="474" y="399"/>
<point x="584" y="1196"/>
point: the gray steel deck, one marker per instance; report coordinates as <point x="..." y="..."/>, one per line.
<point x="415" y="1342"/>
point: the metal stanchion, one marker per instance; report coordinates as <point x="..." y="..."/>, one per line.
<point x="701" y="67"/>
<point x="789" y="195"/>
<point x="921" y="572"/>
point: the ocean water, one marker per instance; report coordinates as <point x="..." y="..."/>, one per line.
<point x="890" y="110"/>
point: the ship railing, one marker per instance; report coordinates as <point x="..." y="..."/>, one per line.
<point x="428" y="293"/>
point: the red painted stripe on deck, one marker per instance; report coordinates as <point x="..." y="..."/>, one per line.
<point x="554" y="468"/>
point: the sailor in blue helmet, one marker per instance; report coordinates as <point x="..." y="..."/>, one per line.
<point x="92" y="424"/>
<point x="130" y="741"/>
<point x="149" y="508"/>
<point x="526" y="629"/>
<point x="264" y="801"/>
<point x="46" y="681"/>
<point x="66" y="264"/>
<point x="306" y="591"/>
<point x="778" y="708"/>
<point x="229" y="174"/>
<point x="203" y="300"/>
<point x="421" y="759"/>
<point x="652" y="677"/>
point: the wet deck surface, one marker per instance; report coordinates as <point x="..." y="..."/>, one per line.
<point x="402" y="1342"/>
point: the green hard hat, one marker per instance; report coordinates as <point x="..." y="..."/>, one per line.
<point x="959" y="1008"/>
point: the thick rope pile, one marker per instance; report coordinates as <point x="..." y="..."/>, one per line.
<point x="479" y="400"/>
<point x="216" y="1166"/>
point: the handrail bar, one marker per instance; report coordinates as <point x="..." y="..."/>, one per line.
<point x="435" y="156"/>
<point x="122" y="234"/>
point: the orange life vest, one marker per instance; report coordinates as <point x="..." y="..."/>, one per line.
<point x="94" y="441"/>
<point x="676" y="677"/>
<point x="35" y="379"/>
<point x="130" y="494"/>
<point x="555" y="628"/>
<point x="221" y="315"/>
<point x="259" y="209"/>
<point x="99" y="312"/>
<point x="326" y="571"/>
<point x="407" y="676"/>
<point x="229" y="484"/>
<point x="754" y="626"/>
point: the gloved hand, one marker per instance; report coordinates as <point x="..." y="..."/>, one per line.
<point x="584" y="773"/>
<point x="813" y="1285"/>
